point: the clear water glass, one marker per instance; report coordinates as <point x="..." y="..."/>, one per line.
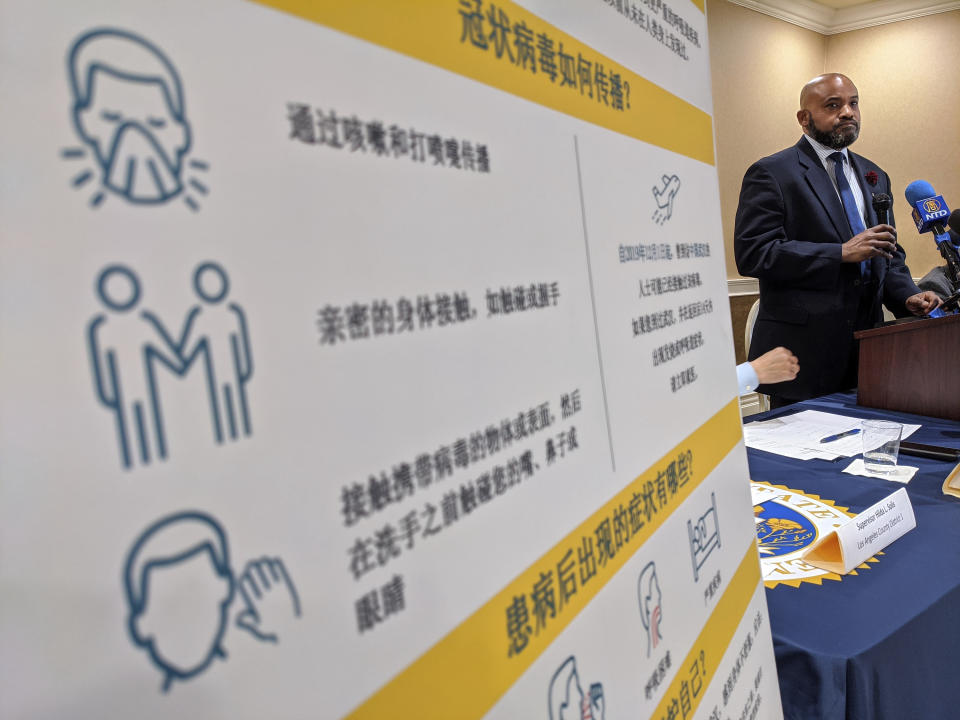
<point x="881" y="444"/>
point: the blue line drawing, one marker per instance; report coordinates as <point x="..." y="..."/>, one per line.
<point x="651" y="608"/>
<point x="224" y="344"/>
<point x="704" y="536"/>
<point x="122" y="352"/>
<point x="566" y="699"/>
<point x="127" y="350"/>
<point x="664" y="197"/>
<point x="128" y="109"/>
<point x="183" y="635"/>
<point x="82" y="178"/>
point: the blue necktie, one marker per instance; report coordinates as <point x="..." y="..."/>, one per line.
<point x="849" y="206"/>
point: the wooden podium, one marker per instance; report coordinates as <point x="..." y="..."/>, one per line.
<point x="912" y="367"/>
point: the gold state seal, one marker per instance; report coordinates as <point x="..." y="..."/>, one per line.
<point x="788" y="522"/>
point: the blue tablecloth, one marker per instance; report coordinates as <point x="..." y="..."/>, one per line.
<point x="884" y="644"/>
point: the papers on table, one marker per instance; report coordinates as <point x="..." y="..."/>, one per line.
<point x="798" y="436"/>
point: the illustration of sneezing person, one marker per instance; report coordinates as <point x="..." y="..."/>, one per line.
<point x="129" y="110"/>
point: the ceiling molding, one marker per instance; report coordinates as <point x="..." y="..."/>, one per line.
<point x="806" y="14"/>
<point x="828" y="21"/>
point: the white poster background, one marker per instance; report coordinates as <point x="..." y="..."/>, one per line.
<point x="298" y="227"/>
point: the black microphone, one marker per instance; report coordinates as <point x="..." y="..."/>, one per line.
<point x="953" y="227"/>
<point x="882" y="204"/>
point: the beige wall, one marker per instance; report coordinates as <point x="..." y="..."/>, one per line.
<point x="907" y="74"/>
<point x="758" y="65"/>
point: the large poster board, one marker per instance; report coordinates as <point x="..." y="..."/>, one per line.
<point x="368" y="360"/>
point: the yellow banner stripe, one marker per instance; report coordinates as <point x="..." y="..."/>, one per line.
<point x="444" y="683"/>
<point x="437" y="32"/>
<point x="699" y="4"/>
<point x="701" y="663"/>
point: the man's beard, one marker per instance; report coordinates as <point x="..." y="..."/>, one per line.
<point x="838" y="138"/>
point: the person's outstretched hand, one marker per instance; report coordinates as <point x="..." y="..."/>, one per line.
<point x="778" y="365"/>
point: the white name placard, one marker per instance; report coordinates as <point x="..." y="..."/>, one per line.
<point x="864" y="535"/>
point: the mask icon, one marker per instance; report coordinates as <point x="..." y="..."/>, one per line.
<point x="128" y="110"/>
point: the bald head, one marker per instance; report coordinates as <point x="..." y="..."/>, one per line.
<point x="830" y="110"/>
<point x="822" y="83"/>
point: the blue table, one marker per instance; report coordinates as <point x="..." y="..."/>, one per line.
<point x="884" y="644"/>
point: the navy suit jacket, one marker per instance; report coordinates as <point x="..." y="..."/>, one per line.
<point x="789" y="228"/>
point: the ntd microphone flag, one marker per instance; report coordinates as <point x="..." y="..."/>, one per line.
<point x="928" y="209"/>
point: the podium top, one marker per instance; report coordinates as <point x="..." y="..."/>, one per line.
<point x="907" y="325"/>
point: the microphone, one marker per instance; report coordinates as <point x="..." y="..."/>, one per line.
<point x="953" y="227"/>
<point x="929" y="210"/>
<point x="882" y="204"/>
<point x="929" y="213"/>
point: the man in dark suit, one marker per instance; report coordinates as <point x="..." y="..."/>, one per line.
<point x="806" y="228"/>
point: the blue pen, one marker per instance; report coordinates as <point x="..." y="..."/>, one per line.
<point x="831" y="438"/>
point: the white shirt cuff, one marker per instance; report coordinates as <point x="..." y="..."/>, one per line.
<point x="747" y="378"/>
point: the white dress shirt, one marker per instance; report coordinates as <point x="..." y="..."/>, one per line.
<point x="824" y="153"/>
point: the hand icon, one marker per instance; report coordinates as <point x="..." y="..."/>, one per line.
<point x="268" y="597"/>
<point x="664" y="197"/>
